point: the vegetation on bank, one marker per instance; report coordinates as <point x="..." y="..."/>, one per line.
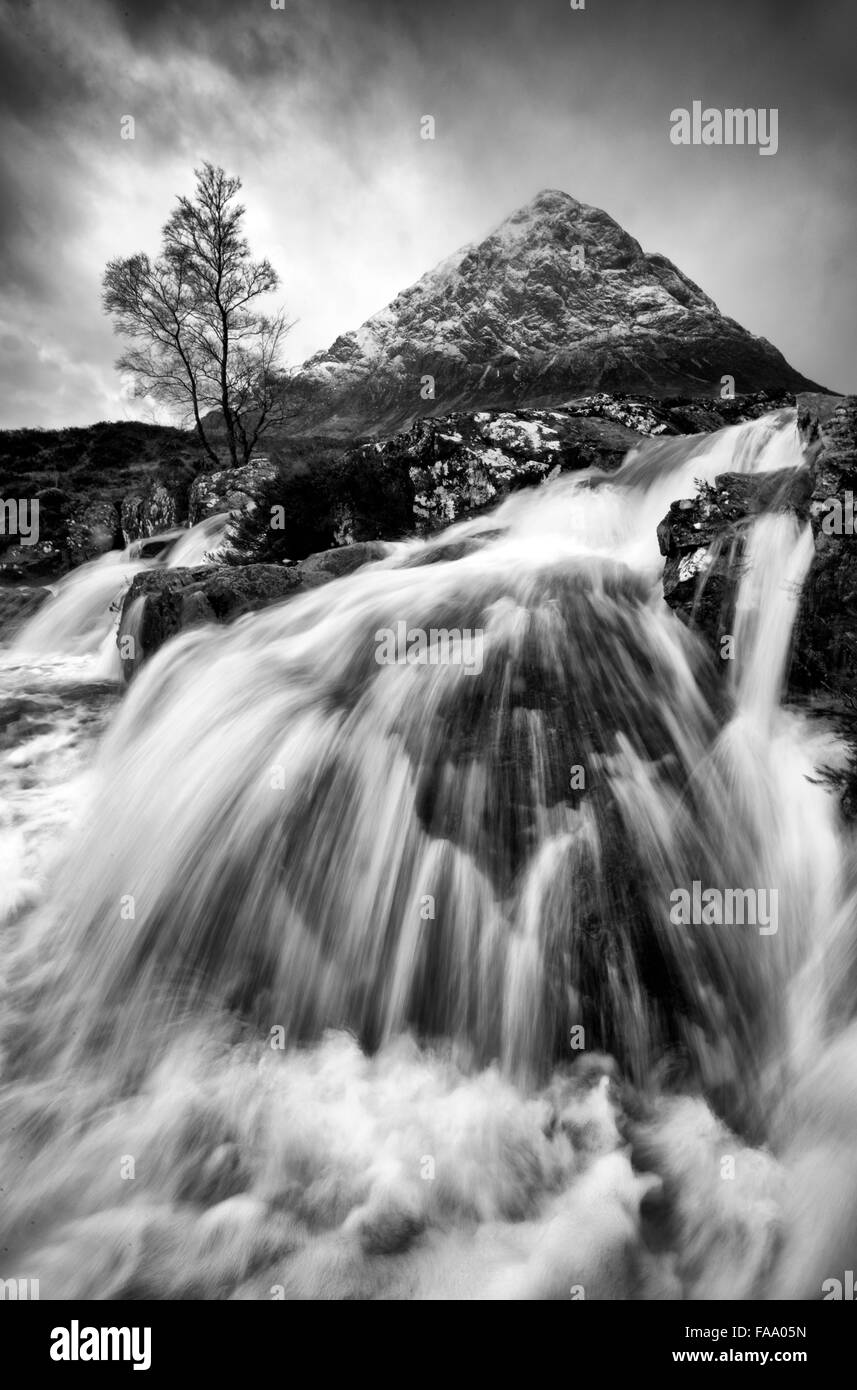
<point x="94" y="459"/>
<point x="71" y="470"/>
<point x="320" y="497"/>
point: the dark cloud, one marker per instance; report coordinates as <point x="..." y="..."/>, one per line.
<point x="243" y="40"/>
<point x="43" y="70"/>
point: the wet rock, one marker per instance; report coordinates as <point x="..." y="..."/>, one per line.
<point x="344" y="559"/>
<point x="703" y="540"/>
<point x="161" y="603"/>
<point x="441" y="552"/>
<point x="17" y="604"/>
<point x="826" y="638"/>
<point x="150" y="547"/>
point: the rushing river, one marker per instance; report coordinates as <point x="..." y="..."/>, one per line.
<point x="329" y="977"/>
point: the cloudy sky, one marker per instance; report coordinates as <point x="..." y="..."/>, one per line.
<point x="317" y="107"/>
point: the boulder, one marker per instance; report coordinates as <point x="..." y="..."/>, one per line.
<point x="157" y="508"/>
<point x="92" y="529"/>
<point x="341" y="560"/>
<point x="228" y="489"/>
<point x="161" y="603"/>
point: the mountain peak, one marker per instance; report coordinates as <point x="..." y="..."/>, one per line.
<point x="546" y="203"/>
<point x="559" y="300"/>
<point x="557" y="220"/>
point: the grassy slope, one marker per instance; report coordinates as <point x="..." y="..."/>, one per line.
<point x="96" y="462"/>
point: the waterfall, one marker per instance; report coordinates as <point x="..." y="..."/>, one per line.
<point x="327" y="865"/>
<point x="80" y="619"/>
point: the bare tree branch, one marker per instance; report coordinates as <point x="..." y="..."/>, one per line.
<point x="203" y="344"/>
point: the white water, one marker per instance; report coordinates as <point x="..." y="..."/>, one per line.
<point x="254" y="848"/>
<point x="80" y="619"/>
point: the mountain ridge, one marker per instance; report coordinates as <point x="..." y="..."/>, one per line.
<point x="558" y="301"/>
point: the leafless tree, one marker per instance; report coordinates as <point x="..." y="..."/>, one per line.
<point x="200" y="343"/>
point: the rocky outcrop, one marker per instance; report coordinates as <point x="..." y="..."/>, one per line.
<point x="454" y="466"/>
<point x="558" y="301"/>
<point x="157" y="508"/>
<point x="703" y="540"/>
<point x="669" y="415"/>
<point x="826" y="639"/>
<point x="460" y="464"/>
<point x="161" y="603"/>
<point x="93" y="529"/>
<point x="227" y="490"/>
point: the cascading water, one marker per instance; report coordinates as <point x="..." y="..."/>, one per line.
<point x="58" y="684"/>
<point x="331" y="932"/>
<point x="80" y="619"/>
